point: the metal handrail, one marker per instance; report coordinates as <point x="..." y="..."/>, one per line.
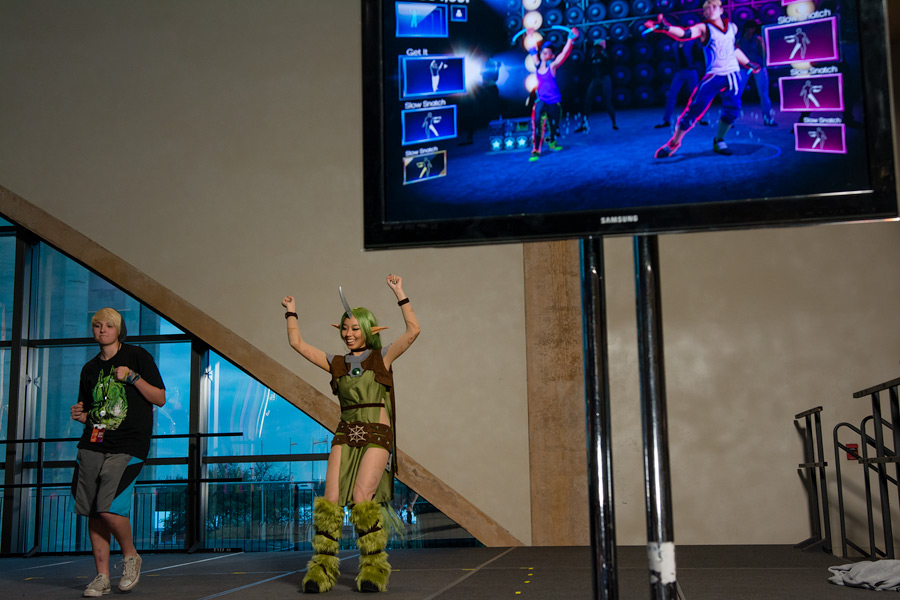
<point x="193" y="483"/>
<point x="865" y="441"/>
<point x="883" y="456"/>
<point x="814" y="452"/>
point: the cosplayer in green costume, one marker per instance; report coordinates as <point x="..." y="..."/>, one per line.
<point x="360" y="470"/>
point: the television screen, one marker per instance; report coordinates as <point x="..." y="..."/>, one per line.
<point x="513" y="120"/>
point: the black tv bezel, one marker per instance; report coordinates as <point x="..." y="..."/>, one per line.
<point x="877" y="203"/>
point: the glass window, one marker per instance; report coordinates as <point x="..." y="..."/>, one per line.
<point x="174" y="363"/>
<point x="51" y="388"/>
<point x="66" y="295"/>
<point x="4" y="223"/>
<point x="7" y="279"/>
<point x="53" y="376"/>
<point x="269" y="424"/>
<point x="4" y="389"/>
<point x="270" y="508"/>
<point x="273" y="468"/>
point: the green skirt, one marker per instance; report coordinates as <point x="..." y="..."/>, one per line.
<point x="350" y="460"/>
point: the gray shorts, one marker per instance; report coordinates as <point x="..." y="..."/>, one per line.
<point x="104" y="482"/>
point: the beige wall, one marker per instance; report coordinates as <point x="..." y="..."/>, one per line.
<point x="216" y="148"/>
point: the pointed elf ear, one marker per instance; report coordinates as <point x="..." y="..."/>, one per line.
<point x="335" y="325"/>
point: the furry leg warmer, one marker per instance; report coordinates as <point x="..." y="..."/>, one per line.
<point x="324" y="567"/>
<point x="374" y="569"/>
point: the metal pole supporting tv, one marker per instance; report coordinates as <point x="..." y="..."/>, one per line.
<point x="599" y="423"/>
<point x="660" y="537"/>
<point x="657" y="487"/>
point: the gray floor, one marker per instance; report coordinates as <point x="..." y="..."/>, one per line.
<point x="704" y="573"/>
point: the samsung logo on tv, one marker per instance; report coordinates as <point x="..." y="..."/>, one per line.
<point x="619" y="219"/>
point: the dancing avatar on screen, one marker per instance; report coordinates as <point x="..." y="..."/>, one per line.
<point x="753" y="46"/>
<point x="808" y="93"/>
<point x="819" y="136"/>
<point x="599" y="79"/>
<point x="436" y="67"/>
<point x="800" y="41"/>
<point x="548" y="94"/>
<point x="690" y="65"/>
<point x="360" y="471"/>
<point x="723" y="75"/>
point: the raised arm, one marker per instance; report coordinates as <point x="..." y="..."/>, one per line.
<point x="566" y="51"/>
<point x="395" y="282"/>
<point x="310" y="353"/>
<point x="660" y="25"/>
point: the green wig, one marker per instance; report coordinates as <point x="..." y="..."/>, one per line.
<point x="366" y="322"/>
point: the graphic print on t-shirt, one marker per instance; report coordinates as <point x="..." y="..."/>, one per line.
<point x="110" y="403"/>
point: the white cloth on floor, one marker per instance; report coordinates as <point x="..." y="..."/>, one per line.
<point x="883" y="575"/>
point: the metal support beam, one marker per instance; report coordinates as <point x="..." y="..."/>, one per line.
<point x="11" y="533"/>
<point x="658" y="490"/>
<point x="193" y="530"/>
<point x="599" y="421"/>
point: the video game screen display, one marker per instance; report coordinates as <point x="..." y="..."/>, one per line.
<point x="508" y="120"/>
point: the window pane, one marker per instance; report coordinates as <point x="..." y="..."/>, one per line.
<point x="4" y="390"/>
<point x="4" y="223"/>
<point x="7" y="278"/>
<point x="174" y="363"/>
<point x="4" y="412"/>
<point x="52" y="388"/>
<point x="269" y="423"/>
<point x="166" y="328"/>
<point x="275" y="512"/>
<point x="66" y="295"/>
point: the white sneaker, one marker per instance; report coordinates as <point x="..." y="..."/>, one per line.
<point x="131" y="573"/>
<point x="98" y="587"/>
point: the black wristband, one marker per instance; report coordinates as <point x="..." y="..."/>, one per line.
<point x="402" y="302"/>
<point x="291" y="314"/>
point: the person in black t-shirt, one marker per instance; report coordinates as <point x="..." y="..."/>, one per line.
<point x="117" y="392"/>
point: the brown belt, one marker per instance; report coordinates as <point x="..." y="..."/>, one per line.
<point x="357" y="434"/>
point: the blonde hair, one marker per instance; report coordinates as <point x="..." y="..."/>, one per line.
<point x="711" y="2"/>
<point x="108" y="315"/>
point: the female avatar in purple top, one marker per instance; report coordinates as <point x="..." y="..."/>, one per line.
<point x="548" y="95"/>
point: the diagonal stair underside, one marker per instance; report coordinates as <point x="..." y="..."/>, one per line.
<point x="281" y="380"/>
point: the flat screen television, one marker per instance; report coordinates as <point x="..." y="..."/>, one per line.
<point x="449" y="119"/>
